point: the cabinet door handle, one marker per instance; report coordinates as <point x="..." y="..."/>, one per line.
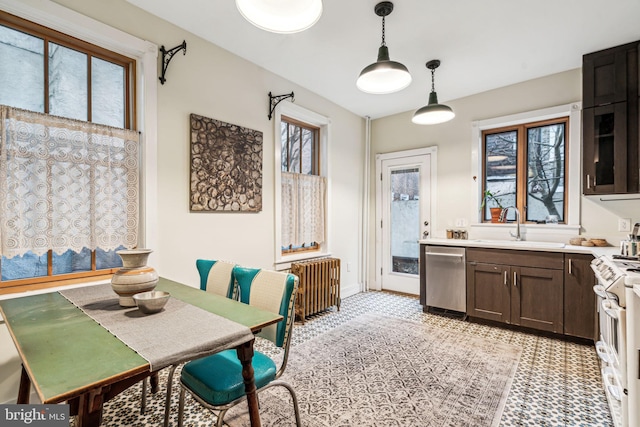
<point x="505" y="278"/>
<point x="515" y="279"/>
<point x="589" y="182"/>
<point x="570" y="272"/>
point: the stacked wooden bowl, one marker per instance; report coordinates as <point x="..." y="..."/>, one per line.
<point x="599" y="242"/>
<point x="581" y="241"/>
<point x="576" y="241"/>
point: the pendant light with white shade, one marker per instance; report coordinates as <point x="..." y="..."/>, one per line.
<point x="433" y="113"/>
<point x="281" y="16"/>
<point x="383" y="76"/>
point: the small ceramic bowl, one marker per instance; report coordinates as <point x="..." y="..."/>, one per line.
<point x="151" y="302"/>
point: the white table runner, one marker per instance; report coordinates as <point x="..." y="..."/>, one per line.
<point x="178" y="333"/>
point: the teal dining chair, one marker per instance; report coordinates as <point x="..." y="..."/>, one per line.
<point x="216" y="381"/>
<point x="217" y="277"/>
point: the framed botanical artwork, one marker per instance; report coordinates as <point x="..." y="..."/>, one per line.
<point x="226" y="167"/>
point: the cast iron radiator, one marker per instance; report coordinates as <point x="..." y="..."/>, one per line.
<point x="319" y="286"/>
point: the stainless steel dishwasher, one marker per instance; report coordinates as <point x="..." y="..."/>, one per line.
<point x="445" y="277"/>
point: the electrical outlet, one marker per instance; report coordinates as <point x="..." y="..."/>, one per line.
<point x="461" y="222"/>
<point x="348" y="267"/>
<point x="624" y="224"/>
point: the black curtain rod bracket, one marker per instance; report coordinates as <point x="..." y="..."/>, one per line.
<point x="277" y="99"/>
<point x="167" y="55"/>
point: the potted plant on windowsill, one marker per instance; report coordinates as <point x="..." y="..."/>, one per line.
<point x="495" y="211"/>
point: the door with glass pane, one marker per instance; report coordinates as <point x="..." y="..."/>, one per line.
<point x="404" y="210"/>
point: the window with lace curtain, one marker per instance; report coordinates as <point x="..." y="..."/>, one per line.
<point x="69" y="168"/>
<point x="303" y="188"/>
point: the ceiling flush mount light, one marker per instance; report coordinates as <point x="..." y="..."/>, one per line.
<point x="281" y="16"/>
<point x="433" y="113"/>
<point x="384" y="75"/>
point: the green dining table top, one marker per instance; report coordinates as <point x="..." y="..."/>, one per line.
<point x="66" y="353"/>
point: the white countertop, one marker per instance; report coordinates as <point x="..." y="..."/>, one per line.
<point x="523" y="245"/>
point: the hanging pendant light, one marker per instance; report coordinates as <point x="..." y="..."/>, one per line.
<point x="433" y="113"/>
<point x="384" y="75"/>
<point x="281" y="16"/>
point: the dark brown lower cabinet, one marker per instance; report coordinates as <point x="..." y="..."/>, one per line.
<point x="488" y="292"/>
<point x="536" y="298"/>
<point x="522" y="288"/>
<point x="579" y="299"/>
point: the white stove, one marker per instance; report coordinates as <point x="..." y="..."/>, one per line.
<point x="618" y="342"/>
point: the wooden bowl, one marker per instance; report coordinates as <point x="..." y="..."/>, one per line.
<point x="576" y="241"/>
<point x="587" y="243"/>
<point x="599" y="242"/>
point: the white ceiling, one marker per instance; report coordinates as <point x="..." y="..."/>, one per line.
<point x="483" y="44"/>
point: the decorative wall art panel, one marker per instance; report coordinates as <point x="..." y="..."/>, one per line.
<point x="226" y="167"/>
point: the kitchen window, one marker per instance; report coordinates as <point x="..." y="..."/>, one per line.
<point x="525" y="166"/>
<point x="48" y="72"/>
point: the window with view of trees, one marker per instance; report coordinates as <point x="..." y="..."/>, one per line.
<point x="48" y="72"/>
<point x="525" y="167"/>
<point x="303" y="189"/>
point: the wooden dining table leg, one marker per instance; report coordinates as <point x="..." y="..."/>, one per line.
<point x="25" y="387"/>
<point x="245" y="354"/>
<point x="90" y="409"/>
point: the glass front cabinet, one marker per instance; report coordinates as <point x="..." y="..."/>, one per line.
<point x="610" y="136"/>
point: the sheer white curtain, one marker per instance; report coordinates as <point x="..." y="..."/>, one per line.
<point x="66" y="184"/>
<point x="303" y="208"/>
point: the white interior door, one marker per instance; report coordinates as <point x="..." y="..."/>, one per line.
<point x="404" y="216"/>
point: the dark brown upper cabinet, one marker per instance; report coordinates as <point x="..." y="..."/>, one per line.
<point x="610" y="129"/>
<point x="610" y="75"/>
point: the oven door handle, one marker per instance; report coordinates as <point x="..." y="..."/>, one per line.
<point x="603" y="352"/>
<point x="612" y="308"/>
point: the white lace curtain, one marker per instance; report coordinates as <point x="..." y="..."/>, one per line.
<point x="65" y="184"/>
<point x="303" y="208"/>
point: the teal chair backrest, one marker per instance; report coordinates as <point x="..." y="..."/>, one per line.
<point x="269" y="290"/>
<point x="217" y="277"/>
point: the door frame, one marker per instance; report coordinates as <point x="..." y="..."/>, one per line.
<point x="433" y="161"/>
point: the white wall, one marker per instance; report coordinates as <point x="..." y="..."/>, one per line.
<point x="456" y="197"/>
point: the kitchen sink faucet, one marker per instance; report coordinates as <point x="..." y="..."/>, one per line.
<point x="503" y="214"/>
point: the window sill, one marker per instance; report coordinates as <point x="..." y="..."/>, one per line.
<point x="284" y="263"/>
<point x="41" y="288"/>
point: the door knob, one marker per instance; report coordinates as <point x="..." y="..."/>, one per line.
<point x="426" y="223"/>
<point x="425" y="234"/>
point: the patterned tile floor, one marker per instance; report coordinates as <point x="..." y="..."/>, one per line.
<point x="557" y="383"/>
